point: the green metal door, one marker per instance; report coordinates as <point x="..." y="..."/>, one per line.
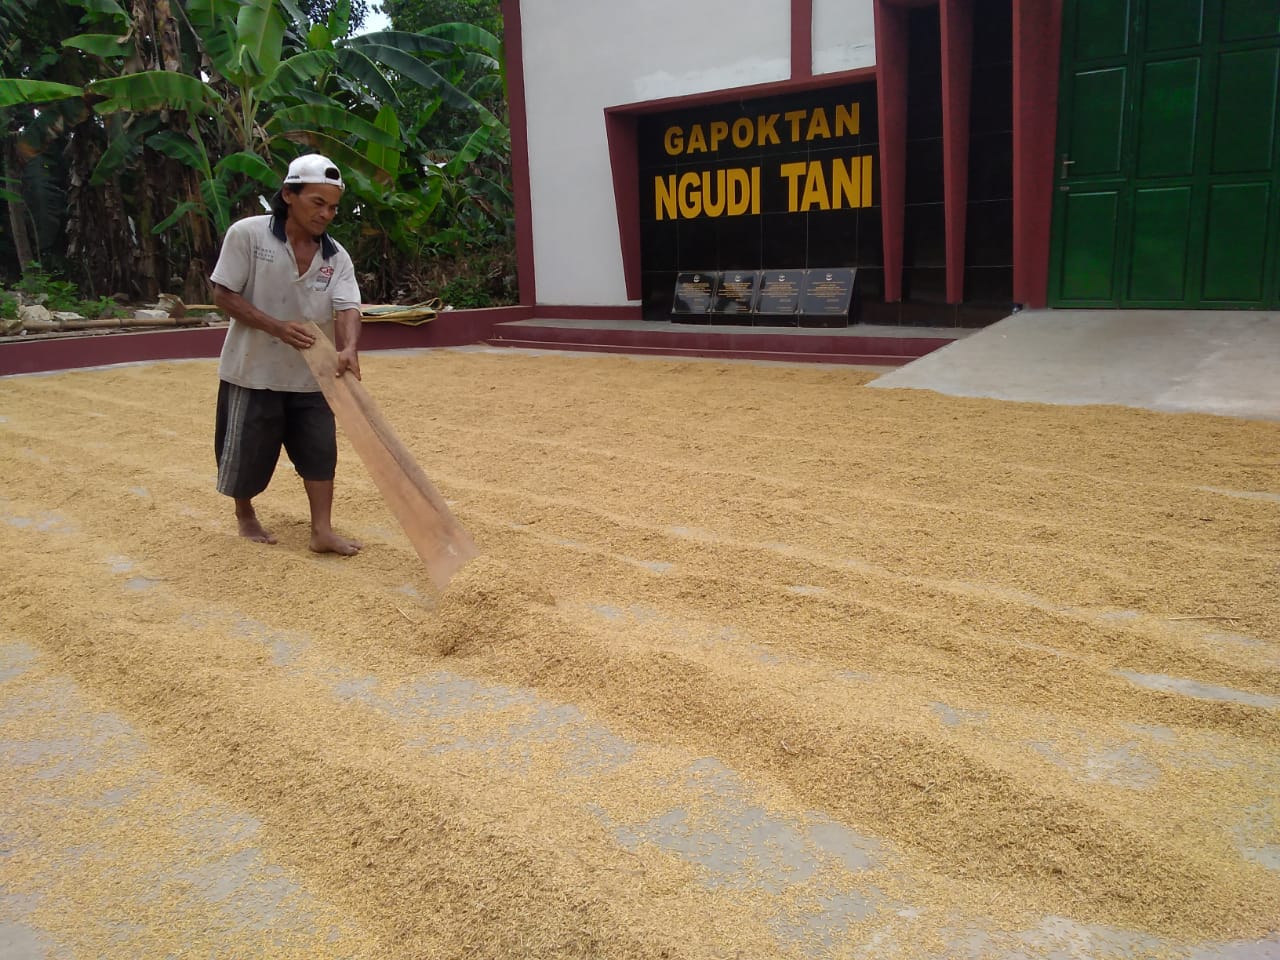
<point x="1168" y="182"/>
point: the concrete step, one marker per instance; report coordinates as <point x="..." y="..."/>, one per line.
<point x="882" y="346"/>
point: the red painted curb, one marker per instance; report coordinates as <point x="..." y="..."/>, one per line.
<point x="878" y="360"/>
<point x="451" y="329"/>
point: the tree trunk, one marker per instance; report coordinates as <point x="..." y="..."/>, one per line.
<point x="17" y="210"/>
<point x="147" y="278"/>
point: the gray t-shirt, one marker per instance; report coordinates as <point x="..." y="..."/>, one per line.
<point x="257" y="262"/>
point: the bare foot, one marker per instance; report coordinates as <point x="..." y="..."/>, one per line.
<point x="332" y="543"/>
<point x="251" y="529"/>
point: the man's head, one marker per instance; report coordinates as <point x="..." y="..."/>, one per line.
<point x="310" y="193"/>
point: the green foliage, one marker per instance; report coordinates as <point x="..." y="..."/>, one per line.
<point x="100" y="307"/>
<point x="19" y="91"/>
<point x="45" y="201"/>
<point x="39" y="286"/>
<point x="55" y="294"/>
<point x="319" y="11"/>
<point x="420" y="14"/>
<point x="176" y="150"/>
<point x="474" y="276"/>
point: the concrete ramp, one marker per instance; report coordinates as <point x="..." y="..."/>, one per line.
<point x="1184" y="361"/>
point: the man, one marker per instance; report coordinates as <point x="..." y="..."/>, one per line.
<point x="274" y="273"/>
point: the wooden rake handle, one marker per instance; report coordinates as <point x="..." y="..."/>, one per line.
<point x="439" y="539"/>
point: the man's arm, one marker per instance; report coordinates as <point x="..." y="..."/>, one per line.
<point x="234" y="305"/>
<point x="347" y="326"/>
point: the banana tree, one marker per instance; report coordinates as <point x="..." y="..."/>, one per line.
<point x="256" y="100"/>
<point x="190" y="108"/>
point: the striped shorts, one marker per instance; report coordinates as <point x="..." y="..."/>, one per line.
<point x="253" y="425"/>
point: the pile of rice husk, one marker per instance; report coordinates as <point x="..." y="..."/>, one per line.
<point x="487" y="603"/>
<point x="914" y="616"/>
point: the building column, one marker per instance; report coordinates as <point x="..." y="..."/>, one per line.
<point x="891" y="97"/>
<point x="801" y="39"/>
<point x="956" y="18"/>
<point x="624" y="160"/>
<point x="519" y="123"/>
<point x="1037" y="39"/>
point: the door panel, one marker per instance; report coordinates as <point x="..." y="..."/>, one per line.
<point x="1167" y="138"/>
<point x="1244" y="127"/>
<point x="1250" y="19"/>
<point x="1158" y="262"/>
<point x="1236" y="241"/>
<point x="1168" y="185"/>
<point x="1097" y="123"/>
<point x="1088" y="267"/>
<point x="1177" y="23"/>
<point x="1102" y="29"/>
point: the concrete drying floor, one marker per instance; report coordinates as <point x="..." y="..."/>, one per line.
<point x="156" y="674"/>
<point x="1182" y="361"/>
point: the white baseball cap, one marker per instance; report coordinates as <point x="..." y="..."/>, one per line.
<point x="313" y="168"/>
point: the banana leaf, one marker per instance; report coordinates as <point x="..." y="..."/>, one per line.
<point x="14" y="92"/>
<point x="343" y="155"/>
<point x="298" y="70"/>
<point x="182" y="209"/>
<point x="214" y="194"/>
<point x="355" y="64"/>
<point x="319" y="37"/>
<point x="250" y="165"/>
<point x="155" y="90"/>
<point x="386" y="158"/>
<point x="124" y="142"/>
<point x="106" y="8"/>
<point x="475" y="145"/>
<point x="469" y="35"/>
<point x="294" y="12"/>
<point x="333" y="118"/>
<point x="183" y="149"/>
<point x="340" y="18"/>
<point x="414" y="69"/>
<point x="103" y="45"/>
<point x="259" y="37"/>
<point x="214" y="21"/>
<point x="402" y="40"/>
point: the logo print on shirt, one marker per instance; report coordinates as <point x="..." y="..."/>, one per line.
<point x="323" y="276"/>
<point x="265" y="254"/>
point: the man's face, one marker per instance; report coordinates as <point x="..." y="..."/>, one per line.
<point x="314" y="207"/>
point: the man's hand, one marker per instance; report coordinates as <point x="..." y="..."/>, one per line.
<point x="348" y="360"/>
<point x="296" y="335"/>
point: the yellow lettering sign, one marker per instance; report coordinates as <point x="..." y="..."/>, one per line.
<point x="719" y="131"/>
<point x="713" y="200"/>
<point x="673" y="141"/>
<point x="818" y="126"/>
<point x="792" y="173"/>
<point x="846" y="183"/>
<point x="794" y="117"/>
<point x="690" y="197"/>
<point x="840" y="183"/>
<point x="739" y="192"/>
<point x="712" y="193"/>
<point x="664" y="197"/>
<point x="765" y="130"/>
<point x="815" y="189"/>
<point x="848" y="120"/>
<point x="801" y="126"/>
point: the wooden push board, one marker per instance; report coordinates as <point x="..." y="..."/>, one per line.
<point x="441" y="542"/>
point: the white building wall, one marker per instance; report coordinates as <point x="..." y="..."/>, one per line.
<point x="581" y="56"/>
<point x="844" y="35"/>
